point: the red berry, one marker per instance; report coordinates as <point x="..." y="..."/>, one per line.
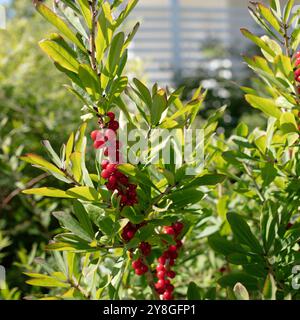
<point x="94" y="134"/>
<point x="105" y="174"/>
<point x="173" y="255"/>
<point x="171" y="262"/>
<point x="160" y="284"/>
<point x="178" y="244"/>
<point x="130" y="234"/>
<point x="111" y="115"/>
<point x="160" y="267"/>
<point x="178" y="226"/>
<point x="113" y="125"/>
<point x="172" y="248"/>
<point x="104" y="164"/>
<point x="162" y="260"/>
<point x="144" y="268"/>
<point x="123" y="180"/>
<point x="161" y="274"/>
<point x="298" y="54"/>
<point x="168" y="295"/>
<point x="145" y="247"/>
<point x="170" y="288"/>
<point x="169" y="230"/>
<point x="160" y="290"/>
<point x="139" y="272"/>
<point x="111" y="168"/>
<point x="137" y="264"/>
<point x="171" y="274"/>
<point x="297" y="73"/>
<point x="112" y="180"/>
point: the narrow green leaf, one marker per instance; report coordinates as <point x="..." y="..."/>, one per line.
<point x="243" y="233"/>
<point x="48" y="192"/>
<point x="60" y="55"/>
<point x="72" y="225"/>
<point x="268" y="106"/>
<point x="51" y="17"/>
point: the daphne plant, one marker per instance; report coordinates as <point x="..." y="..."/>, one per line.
<point x="262" y="205"/>
<point x="127" y="221"/>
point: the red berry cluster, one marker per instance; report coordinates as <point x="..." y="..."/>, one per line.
<point x="297" y="64"/>
<point x="116" y="180"/>
<point x="130" y="229"/>
<point x="139" y="265"/>
<point x="166" y="261"/>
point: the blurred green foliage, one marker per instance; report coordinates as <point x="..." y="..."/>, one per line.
<point x="34" y="106"/>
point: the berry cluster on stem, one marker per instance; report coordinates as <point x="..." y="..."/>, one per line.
<point x="164" y="270"/>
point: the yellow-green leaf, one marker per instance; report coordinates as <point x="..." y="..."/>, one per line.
<point x="60" y="55"/>
<point x="84" y="193"/>
<point x="48" y="192"/>
<point x="51" y="17"/>
<point x="39" y="161"/>
<point x="268" y="106"/>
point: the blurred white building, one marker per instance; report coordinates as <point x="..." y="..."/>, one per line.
<point x="172" y="31"/>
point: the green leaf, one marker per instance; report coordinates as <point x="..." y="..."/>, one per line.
<point x="268" y="106"/>
<point x="86" y="12"/>
<point x="50" y="16"/>
<point x="75" y="158"/>
<point x="84" y="193"/>
<point x="243" y="233"/>
<point x="48" y="192"/>
<point x="246" y="280"/>
<point x="287" y="10"/>
<point x="241" y="292"/>
<point x="124" y="14"/>
<point x="269" y="290"/>
<point x="69" y="148"/>
<point x="144" y="92"/>
<point x="268" y="15"/>
<point x="193" y="292"/>
<point x="206" y="180"/>
<point x="184" y="197"/>
<point x="60" y="55"/>
<point x="72" y="225"/>
<point x="89" y="80"/>
<point x="258" y="41"/>
<point x="104" y="31"/>
<point x="115" y="52"/>
<point x="159" y="104"/>
<point x="242" y="130"/>
<point x="223" y="246"/>
<point x="45" y="281"/>
<point x="288" y="122"/>
<point x="83" y="218"/>
<point x="55" y="158"/>
<point x="41" y="162"/>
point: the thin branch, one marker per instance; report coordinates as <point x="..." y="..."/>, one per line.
<point x="17" y="191"/>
